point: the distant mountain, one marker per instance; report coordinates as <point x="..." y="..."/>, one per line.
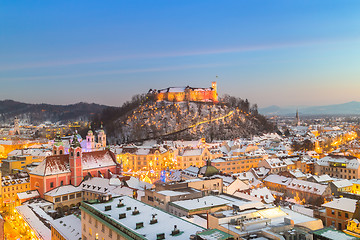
<point x="39" y="113"/>
<point x="350" y="108"/>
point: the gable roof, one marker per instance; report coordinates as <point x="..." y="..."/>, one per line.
<point x="58" y="164"/>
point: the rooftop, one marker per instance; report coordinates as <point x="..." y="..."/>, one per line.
<point x="127" y="224"/>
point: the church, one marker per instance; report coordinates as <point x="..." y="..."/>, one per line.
<point x="71" y="168"/>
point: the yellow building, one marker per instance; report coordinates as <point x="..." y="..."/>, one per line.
<point x="10" y="187"/>
<point x="236" y="164"/>
<point x="65" y="198"/>
<point x="136" y="158"/>
<point x="16" y="164"/>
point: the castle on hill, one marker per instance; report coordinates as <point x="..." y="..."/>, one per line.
<point x="180" y="94"/>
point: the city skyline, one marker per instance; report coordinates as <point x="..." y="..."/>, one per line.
<point x="279" y="53"/>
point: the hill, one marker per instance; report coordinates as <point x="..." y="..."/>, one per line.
<point x="350" y="108"/>
<point x="39" y="113"/>
<point x="143" y="119"/>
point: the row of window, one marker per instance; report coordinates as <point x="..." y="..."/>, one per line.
<point x="13" y="188"/>
<point x="67" y="197"/>
<point x="339" y="213"/>
<point x="341" y="170"/>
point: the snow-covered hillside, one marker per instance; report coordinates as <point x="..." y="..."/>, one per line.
<point x="187" y="120"/>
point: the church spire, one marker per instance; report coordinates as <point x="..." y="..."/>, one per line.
<point x="297" y="118"/>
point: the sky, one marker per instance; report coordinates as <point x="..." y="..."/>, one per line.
<point x="285" y="53"/>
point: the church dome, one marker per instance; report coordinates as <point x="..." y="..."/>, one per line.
<point x="208" y="170"/>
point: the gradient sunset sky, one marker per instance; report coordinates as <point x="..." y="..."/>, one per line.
<point x="286" y="53"/>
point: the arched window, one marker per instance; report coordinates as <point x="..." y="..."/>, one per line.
<point x="78" y="154"/>
<point x="61" y="152"/>
<point x="37" y="185"/>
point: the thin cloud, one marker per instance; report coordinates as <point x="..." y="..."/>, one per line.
<point x="114" y="72"/>
<point x="171" y="54"/>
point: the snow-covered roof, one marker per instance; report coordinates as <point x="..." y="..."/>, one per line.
<point x="306" y="186"/>
<point x="165" y="222"/>
<point x="282" y="180"/>
<point x="207" y="201"/>
<point x="344" y="204"/>
<point x="58" y="164"/>
<point x="28" y="194"/>
<point x="343" y="183"/>
<point x="69" y="227"/>
<point x="34" y="216"/>
<point x="67" y="189"/>
<point x="172" y="193"/>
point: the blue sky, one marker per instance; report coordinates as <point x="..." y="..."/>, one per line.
<point x="271" y="52"/>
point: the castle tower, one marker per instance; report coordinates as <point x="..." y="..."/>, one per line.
<point x="102" y="137"/>
<point x="75" y="160"/>
<point x="16" y="126"/>
<point x="214" y="94"/>
<point x="214" y="86"/>
<point x="58" y="147"/>
<point x="90" y="140"/>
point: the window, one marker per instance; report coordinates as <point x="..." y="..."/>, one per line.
<point x="332" y="212"/>
<point x="346" y="215"/>
<point x="110" y="233"/>
<point x="103" y="228"/>
<point x="78" y="154"/>
<point x="61" y="152"/>
<point x="339" y="214"/>
<point x="78" y="195"/>
<point x="65" y="198"/>
<point x="72" y="196"/>
<point x="52" y="184"/>
<point x="57" y="199"/>
<point x="61" y="183"/>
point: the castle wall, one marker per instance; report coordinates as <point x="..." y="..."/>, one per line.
<point x="201" y="95"/>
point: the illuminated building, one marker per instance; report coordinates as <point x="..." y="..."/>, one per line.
<point x="64" y="169"/>
<point x="236" y="164"/>
<point x="127" y="218"/>
<point x="15" y="164"/>
<point x="253" y="218"/>
<point x="339" y="211"/>
<point x="139" y="158"/>
<point x="346" y="167"/>
<point x="172" y="94"/>
<point x="302" y="191"/>
<point x="11" y="186"/>
<point x="195" y="156"/>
